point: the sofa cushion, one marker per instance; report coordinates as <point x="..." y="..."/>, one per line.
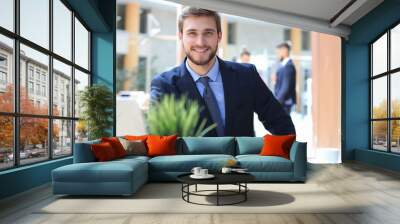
<point x="111" y="171"/>
<point x="249" y="145"/>
<point x="136" y="137"/>
<point x="257" y="163"/>
<point x="134" y="147"/>
<point x="83" y="152"/>
<point x="206" y="145"/>
<point x="132" y="158"/>
<point x="185" y="163"/>
<point x="103" y="152"/>
<point x="277" y="145"/>
<point x="161" y="145"/>
<point x="116" y="145"/>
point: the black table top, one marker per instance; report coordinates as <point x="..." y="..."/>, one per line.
<point x="220" y="178"/>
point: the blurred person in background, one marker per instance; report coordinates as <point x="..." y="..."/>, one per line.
<point x="245" y="56"/>
<point x="285" y="78"/>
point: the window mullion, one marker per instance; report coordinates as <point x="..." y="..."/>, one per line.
<point x="73" y="83"/>
<point x="371" y="142"/>
<point x="16" y="84"/>
<point x="50" y="81"/>
<point x="389" y="76"/>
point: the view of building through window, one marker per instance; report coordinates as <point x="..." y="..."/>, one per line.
<point x="41" y="83"/>
<point x="385" y="96"/>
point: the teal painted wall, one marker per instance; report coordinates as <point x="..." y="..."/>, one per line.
<point x="99" y="16"/>
<point x="103" y="52"/>
<point x="103" y="64"/>
<point x="356" y="101"/>
<point x="24" y="178"/>
<point x="379" y="159"/>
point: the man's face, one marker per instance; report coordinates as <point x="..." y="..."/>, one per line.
<point x="245" y="58"/>
<point x="282" y="53"/>
<point x="200" y="39"/>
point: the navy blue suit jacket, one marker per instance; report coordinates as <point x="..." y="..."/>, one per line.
<point x="285" y="86"/>
<point x="244" y="93"/>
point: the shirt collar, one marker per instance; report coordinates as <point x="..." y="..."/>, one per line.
<point x="285" y="61"/>
<point x="212" y="73"/>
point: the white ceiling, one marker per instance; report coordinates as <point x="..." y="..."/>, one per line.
<point x="321" y="9"/>
<point x="312" y="15"/>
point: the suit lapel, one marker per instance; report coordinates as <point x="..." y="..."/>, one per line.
<point x="229" y="81"/>
<point x="186" y="84"/>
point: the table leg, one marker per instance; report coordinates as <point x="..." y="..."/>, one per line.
<point x="245" y="193"/>
<point x="217" y="194"/>
<point x="196" y="188"/>
<point x="188" y="190"/>
<point x="182" y="188"/>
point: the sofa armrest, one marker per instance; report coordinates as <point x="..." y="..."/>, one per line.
<point x="83" y="152"/>
<point x="298" y="155"/>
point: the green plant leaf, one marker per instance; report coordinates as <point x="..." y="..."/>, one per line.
<point x="96" y="102"/>
<point x="176" y="116"/>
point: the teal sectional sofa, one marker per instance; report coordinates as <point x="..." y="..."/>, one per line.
<point x="125" y="176"/>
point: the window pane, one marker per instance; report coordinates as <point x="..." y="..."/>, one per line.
<point x="62" y="138"/>
<point x="81" y="131"/>
<point x="33" y="140"/>
<point x="35" y="21"/>
<point x="7" y="14"/>
<point x="62" y="29"/>
<point x="34" y="72"/>
<point x="81" y="45"/>
<point x="379" y="97"/>
<point x="379" y="135"/>
<point x="395" y="47"/>
<point x="6" y="74"/>
<point x="395" y="94"/>
<point x="6" y="142"/>
<point x="395" y="138"/>
<point x="379" y="55"/>
<point x="62" y="89"/>
<point x="81" y="81"/>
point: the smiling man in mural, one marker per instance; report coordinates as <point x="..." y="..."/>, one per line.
<point x="229" y="92"/>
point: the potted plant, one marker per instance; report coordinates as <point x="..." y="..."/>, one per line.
<point x="176" y="116"/>
<point x="96" y="102"/>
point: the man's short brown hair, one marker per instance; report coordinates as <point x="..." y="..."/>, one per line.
<point x="245" y="52"/>
<point x="197" y="12"/>
<point x="284" y="45"/>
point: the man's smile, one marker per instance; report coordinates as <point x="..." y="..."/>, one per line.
<point x="200" y="50"/>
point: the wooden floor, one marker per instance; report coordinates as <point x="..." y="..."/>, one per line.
<point x="377" y="188"/>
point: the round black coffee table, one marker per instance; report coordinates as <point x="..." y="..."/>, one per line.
<point x="238" y="179"/>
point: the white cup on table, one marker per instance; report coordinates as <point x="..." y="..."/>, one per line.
<point x="226" y="170"/>
<point x="196" y="171"/>
<point x="203" y="172"/>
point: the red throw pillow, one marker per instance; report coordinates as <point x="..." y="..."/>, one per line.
<point x="103" y="152"/>
<point x="161" y="145"/>
<point x="116" y="145"/>
<point x="277" y="145"/>
<point x="136" y="137"/>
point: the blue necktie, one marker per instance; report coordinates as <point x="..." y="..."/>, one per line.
<point x="212" y="105"/>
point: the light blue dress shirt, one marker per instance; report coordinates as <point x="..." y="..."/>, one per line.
<point x="215" y="82"/>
